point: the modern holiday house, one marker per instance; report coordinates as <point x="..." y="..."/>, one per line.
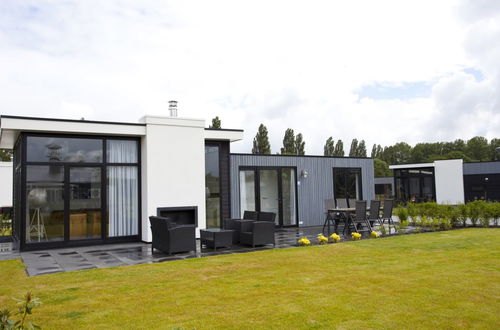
<point x="80" y="182"/>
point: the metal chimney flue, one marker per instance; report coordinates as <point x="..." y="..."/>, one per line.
<point x="172" y="107"/>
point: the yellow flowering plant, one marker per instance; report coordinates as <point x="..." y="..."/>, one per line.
<point x="304" y="241"/>
<point x="355" y="236"/>
<point x="335" y="237"/>
<point x="374" y="234"/>
<point x="322" y="239"/>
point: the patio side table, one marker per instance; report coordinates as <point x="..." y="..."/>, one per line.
<point x="216" y="237"/>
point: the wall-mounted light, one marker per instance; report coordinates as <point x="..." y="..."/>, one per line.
<point x="304" y="174"/>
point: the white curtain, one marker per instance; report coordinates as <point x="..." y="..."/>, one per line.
<point x="122" y="151"/>
<point x="123" y="198"/>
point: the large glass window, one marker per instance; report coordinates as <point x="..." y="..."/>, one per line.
<point x="56" y="149"/>
<point x="212" y="186"/>
<point x="122" y="151"/>
<point x="44" y="203"/>
<point x="73" y="193"/>
<point x="247" y="191"/>
<point x="347" y="183"/>
<point x="289" y="200"/>
<point x="85" y="202"/>
<point x="123" y="201"/>
<point x="269" y="192"/>
<point x="414" y="185"/>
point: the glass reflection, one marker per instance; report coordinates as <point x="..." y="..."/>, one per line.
<point x="56" y="149"/>
<point x="44" y="203"/>
<point x="85" y="203"/>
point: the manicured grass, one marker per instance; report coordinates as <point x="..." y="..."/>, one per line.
<point x="436" y="280"/>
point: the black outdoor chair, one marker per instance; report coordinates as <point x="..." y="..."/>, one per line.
<point x="387" y="213"/>
<point x="171" y="238"/>
<point x="266" y="216"/>
<point x="235" y="224"/>
<point x="331" y="217"/>
<point x="341" y="203"/>
<point x="257" y="233"/>
<point x="374" y="212"/>
<point x="359" y="220"/>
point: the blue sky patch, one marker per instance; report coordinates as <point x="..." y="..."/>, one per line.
<point x="476" y="73"/>
<point x="382" y="91"/>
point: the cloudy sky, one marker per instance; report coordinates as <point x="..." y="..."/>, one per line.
<point x="383" y="71"/>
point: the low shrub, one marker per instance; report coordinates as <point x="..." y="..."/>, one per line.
<point x="304" y="241"/>
<point x="355" y="236"/>
<point x="402" y="213"/>
<point x="374" y="234"/>
<point x="335" y="237"/>
<point x="322" y="239"/>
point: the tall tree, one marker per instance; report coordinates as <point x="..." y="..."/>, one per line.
<point x="354" y="148"/>
<point x="261" y="143"/>
<point x="289" y="147"/>
<point x="374" y="151"/>
<point x="361" y="150"/>
<point x="477" y="148"/>
<point x="5" y="155"/>
<point x="381" y="168"/>
<point x="329" y="148"/>
<point x="339" y="149"/>
<point x="494" y="144"/>
<point x="299" y="145"/>
<point x="400" y="153"/>
<point x="215" y="123"/>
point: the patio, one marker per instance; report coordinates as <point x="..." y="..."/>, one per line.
<point x="102" y="256"/>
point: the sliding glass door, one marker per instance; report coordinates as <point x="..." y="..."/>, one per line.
<point x="270" y="190"/>
<point x="269" y="196"/>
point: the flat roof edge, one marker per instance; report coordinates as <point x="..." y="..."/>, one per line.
<point x="311" y="156"/>
<point x="71" y="120"/>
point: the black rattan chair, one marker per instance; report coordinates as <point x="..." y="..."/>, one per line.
<point x="235" y="224"/>
<point x="266" y="216"/>
<point x="171" y="238"/>
<point x="257" y="233"/>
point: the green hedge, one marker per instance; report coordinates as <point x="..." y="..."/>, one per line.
<point x="440" y="216"/>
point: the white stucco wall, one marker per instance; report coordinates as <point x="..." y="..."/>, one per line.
<point x="5" y="183"/>
<point x="173" y="167"/>
<point x="449" y="181"/>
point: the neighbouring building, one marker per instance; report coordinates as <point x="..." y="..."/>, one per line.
<point x="447" y="181"/>
<point x="80" y="182"/>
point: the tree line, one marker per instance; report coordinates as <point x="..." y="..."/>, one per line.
<point x="476" y="149"/>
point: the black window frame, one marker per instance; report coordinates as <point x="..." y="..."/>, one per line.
<point x="404" y="176"/>
<point x="67" y="242"/>
<point x="348" y="170"/>
<point x="256" y="170"/>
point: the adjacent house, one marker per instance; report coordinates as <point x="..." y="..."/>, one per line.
<point x="447" y="181"/>
<point x="80" y="182"/>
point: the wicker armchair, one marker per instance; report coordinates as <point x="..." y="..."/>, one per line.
<point x="257" y="233"/>
<point x="171" y="238"/>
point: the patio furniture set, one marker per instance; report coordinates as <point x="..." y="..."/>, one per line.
<point x="256" y="228"/>
<point x="357" y="219"/>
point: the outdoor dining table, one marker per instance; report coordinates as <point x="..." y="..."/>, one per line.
<point x="346" y="216"/>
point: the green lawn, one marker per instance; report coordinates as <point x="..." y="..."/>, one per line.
<point x="436" y="280"/>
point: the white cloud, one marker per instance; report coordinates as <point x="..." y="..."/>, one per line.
<point x="283" y="63"/>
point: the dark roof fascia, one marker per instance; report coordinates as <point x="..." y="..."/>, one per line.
<point x="71" y="120"/>
<point x="223" y="129"/>
<point x="309" y="156"/>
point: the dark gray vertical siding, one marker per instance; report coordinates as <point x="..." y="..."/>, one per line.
<point x="314" y="189"/>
